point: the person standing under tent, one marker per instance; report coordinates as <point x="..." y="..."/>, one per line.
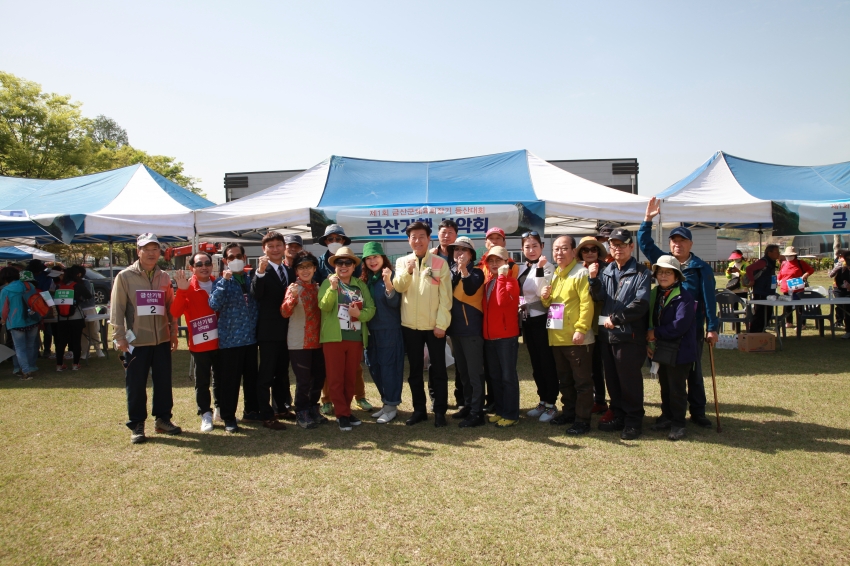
<point x="145" y="331"/>
<point x="45" y="284"/>
<point x="841" y="278"/>
<point x="534" y="276"/>
<point x="70" y="319"/>
<point x="700" y="283"/>
<point x="735" y="270"/>
<point x="792" y="268"/>
<point x="237" y="340"/>
<point x="193" y="302"/>
<point x="424" y="281"/>
<point x="591" y="250"/>
<point x="623" y="286"/>
<point x="761" y="277"/>
<point x="21" y="322"/>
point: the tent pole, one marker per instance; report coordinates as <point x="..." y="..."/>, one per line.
<point x="760" y="232"/>
<point x="111" y="264"/>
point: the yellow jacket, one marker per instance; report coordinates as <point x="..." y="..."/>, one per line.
<point x="743" y="268"/>
<point x="571" y="288"/>
<point x="426" y="300"/>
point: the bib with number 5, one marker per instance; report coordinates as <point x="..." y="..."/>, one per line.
<point x="149" y="303"/>
<point x="204" y="329"/>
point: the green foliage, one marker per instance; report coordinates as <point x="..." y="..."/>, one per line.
<point x="45" y="136"/>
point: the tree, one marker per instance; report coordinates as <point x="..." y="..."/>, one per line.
<point x="107" y="132"/>
<point x="41" y="135"/>
<point x="45" y="136"/>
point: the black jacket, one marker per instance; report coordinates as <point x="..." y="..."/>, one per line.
<point x="269" y="292"/>
<point x="627" y="303"/>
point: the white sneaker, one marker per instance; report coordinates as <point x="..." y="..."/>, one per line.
<point x="379" y="413"/>
<point x="217" y="416"/>
<point x="100" y="354"/>
<point x="846" y="336"/>
<point x="537" y="411"/>
<point x="548" y="414"/>
<point x="206" y="422"/>
<point x="389" y="414"/>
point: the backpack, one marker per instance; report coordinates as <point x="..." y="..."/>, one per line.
<point x="66" y="310"/>
<point x="36" y="302"/>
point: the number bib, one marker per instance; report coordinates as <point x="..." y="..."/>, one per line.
<point x="773" y="282"/>
<point x="345" y="322"/>
<point x="204" y="329"/>
<point x="63" y="297"/>
<point x="555" y="317"/>
<point x="149" y="303"/>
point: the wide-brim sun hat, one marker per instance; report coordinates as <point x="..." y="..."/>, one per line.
<point x="462" y="242"/>
<point x="669" y="262"/>
<point x="790" y="250"/>
<point x="344" y="252"/>
<point x="603" y="253"/>
<point x="334" y="229"/>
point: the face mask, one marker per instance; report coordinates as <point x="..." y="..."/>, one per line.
<point x="236" y="265"/>
<point x="334" y="247"/>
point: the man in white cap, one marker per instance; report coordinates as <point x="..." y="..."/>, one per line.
<point x="146" y="333"/>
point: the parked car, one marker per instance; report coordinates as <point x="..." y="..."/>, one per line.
<point x="102" y="286"/>
<point x="105" y="270"/>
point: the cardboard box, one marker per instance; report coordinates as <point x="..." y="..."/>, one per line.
<point x="757" y="342"/>
<point x="727" y="342"/>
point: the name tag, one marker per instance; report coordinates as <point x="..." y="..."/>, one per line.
<point x="796" y="284"/>
<point x="204" y="329"/>
<point x="602" y="320"/>
<point x="47" y="298"/>
<point x="555" y="317"/>
<point x="773" y="282"/>
<point x="521" y="300"/>
<point x="345" y="322"/>
<point x="149" y="303"/>
<point x="63" y="297"/>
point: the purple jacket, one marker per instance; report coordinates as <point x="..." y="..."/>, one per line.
<point x="676" y="319"/>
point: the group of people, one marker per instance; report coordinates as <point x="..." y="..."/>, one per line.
<point x="33" y="324"/>
<point x="589" y="319"/>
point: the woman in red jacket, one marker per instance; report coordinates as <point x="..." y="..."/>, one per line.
<point x="501" y="337"/>
<point x="792" y="268"/>
<point x="192" y="300"/>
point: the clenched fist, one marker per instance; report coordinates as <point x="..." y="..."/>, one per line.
<point x="593" y="269"/>
<point x="411" y="265"/>
<point x="263" y="264"/>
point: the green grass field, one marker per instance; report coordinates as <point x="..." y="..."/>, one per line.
<point x="772" y="488"/>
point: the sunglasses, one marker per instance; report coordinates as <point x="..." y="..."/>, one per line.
<point x="532" y="233"/>
<point x="232" y="257"/>
<point x="588" y="251"/>
<point x="619" y="246"/>
<point x="335" y="239"/>
<point x="344" y="262"/>
<point x="202" y="264"/>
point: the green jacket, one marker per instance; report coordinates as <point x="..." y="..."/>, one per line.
<point x="328" y="304"/>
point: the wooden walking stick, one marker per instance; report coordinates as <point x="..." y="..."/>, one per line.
<point x="714" y="384"/>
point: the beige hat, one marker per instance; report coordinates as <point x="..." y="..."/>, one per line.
<point x="344" y="252"/>
<point x="592" y="240"/>
<point x="790" y="250"/>
<point x="669" y="262"/>
<point x="499" y="251"/>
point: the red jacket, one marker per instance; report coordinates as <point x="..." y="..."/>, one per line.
<point x="194" y="303"/>
<point x="501" y="308"/>
<point x="792" y="269"/>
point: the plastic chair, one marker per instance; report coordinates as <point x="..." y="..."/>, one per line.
<point x="733" y="310"/>
<point x="814" y="312"/>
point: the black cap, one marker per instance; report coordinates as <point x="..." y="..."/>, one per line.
<point x="621" y="234"/>
<point x="605" y="231"/>
<point x="293" y="239"/>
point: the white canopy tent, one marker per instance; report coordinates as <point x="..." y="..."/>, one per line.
<point x="572" y="204"/>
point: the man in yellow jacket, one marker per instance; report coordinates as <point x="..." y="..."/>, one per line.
<point x="569" y="321"/>
<point x="424" y="282"/>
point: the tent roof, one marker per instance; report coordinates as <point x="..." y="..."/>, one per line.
<point x="348" y="182"/>
<point x="25" y="252"/>
<point x="118" y="204"/>
<point x="733" y="191"/>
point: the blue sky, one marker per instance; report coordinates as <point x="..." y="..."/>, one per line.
<point x="263" y="86"/>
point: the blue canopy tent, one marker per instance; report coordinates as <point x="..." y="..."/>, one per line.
<point x="371" y="199"/>
<point x="732" y="192"/>
<point x="111" y="206"/>
<point x="25" y="253"/>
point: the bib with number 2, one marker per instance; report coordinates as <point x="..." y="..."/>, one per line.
<point x="149" y="303"/>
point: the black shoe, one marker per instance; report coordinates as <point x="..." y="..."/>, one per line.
<point x="252" y="417"/>
<point x="354" y="421"/>
<point x="579" y="428"/>
<point x="231" y="426"/>
<point x="676" y="433"/>
<point x="439" y="420"/>
<point x="661" y="425"/>
<point x="463" y="413"/>
<point x="562" y="418"/>
<point x="630" y="433"/>
<point x="416" y="418"/>
<point x="317" y="416"/>
<point x="304" y="420"/>
<point x="344" y="424"/>
<point x="472" y="421"/>
<point x="489" y="407"/>
<point x="701" y="420"/>
<point x="617" y="424"/>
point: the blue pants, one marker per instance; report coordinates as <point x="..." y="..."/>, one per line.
<point x="26" y="348"/>
<point x="385" y="358"/>
<point x="501" y="357"/>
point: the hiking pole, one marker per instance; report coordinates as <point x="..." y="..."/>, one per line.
<point x="714" y="384"/>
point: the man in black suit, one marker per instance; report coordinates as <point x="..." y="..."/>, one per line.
<point x="269" y="288"/>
